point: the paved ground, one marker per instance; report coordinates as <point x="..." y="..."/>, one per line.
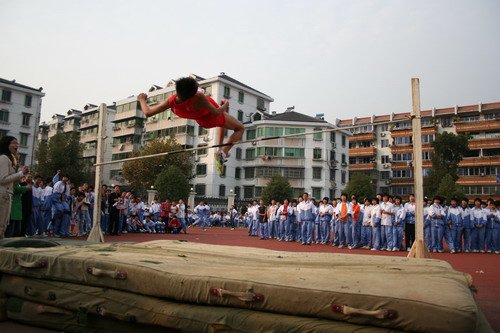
<point x="484" y="268"/>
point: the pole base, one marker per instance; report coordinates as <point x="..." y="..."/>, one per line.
<point x="419" y="250"/>
<point x="95" y="234"/>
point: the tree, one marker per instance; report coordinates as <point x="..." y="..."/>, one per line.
<point x="448" y="150"/>
<point x="360" y="185"/>
<point x="172" y="183"/>
<point x="448" y="188"/>
<point x="62" y="152"/>
<point x="278" y="188"/>
<point x="141" y="174"/>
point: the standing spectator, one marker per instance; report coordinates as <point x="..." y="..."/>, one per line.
<point x="181" y="215"/>
<point x="203" y="212"/>
<point x="165" y="211"/>
<point x="387" y="222"/>
<point x="155" y="210"/>
<point x="454" y="225"/>
<point x="325" y="216"/>
<point x="437" y="216"/>
<point x="263" y="221"/>
<point x="60" y="196"/>
<point x="399" y="224"/>
<point x="410" y="222"/>
<point x="344" y="212"/>
<point x="233" y="213"/>
<point x="376" y="216"/>
<point x="366" y="229"/>
<point x="105" y="209"/>
<point x="307" y="212"/>
<point x="16" y="214"/>
<point x="273" y="228"/>
<point x="114" y="212"/>
<point x="27" y="204"/>
<point x="466" y="218"/>
<point x="356" y="218"/>
<point x="492" y="227"/>
<point x="478" y="232"/>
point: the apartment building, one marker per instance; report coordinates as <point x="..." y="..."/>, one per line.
<point x="385" y="151"/>
<point x="20" y="108"/>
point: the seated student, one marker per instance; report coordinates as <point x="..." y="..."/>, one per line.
<point x="149" y="225"/>
<point x="174" y="226"/>
<point x="131" y="224"/>
<point x="140" y="224"/>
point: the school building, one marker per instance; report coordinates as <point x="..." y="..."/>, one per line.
<point x="385" y="152"/>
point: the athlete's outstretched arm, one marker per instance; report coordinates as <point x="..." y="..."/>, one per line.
<point x="205" y="103"/>
<point x="151" y="111"/>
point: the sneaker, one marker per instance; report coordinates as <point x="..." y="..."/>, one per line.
<point x="350" y="247"/>
<point x="408" y="249"/>
<point x="303" y="243"/>
<point x="475" y="251"/>
<point x="383" y="249"/>
<point x="440" y="251"/>
<point x="232" y="228"/>
<point x="497" y="252"/>
<point x="341" y="246"/>
<point x="395" y="249"/>
<point x="489" y="251"/>
<point x="373" y="249"/>
<point x="220" y="159"/>
<point x="466" y="251"/>
<point x="435" y="251"/>
<point x="482" y="251"/>
<point x="452" y="251"/>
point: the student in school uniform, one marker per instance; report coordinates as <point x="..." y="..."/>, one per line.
<point x="478" y="220"/>
<point x="376" y="216"/>
<point x="427" y="226"/>
<point x="334" y="226"/>
<point x="307" y="212"/>
<point x="298" y="222"/>
<point x="273" y="227"/>
<point x="254" y="226"/>
<point x="356" y="221"/>
<point x="203" y="212"/>
<point x="437" y="216"/>
<point x="344" y="218"/>
<point x="387" y="222"/>
<point x="492" y="227"/>
<point x="410" y="222"/>
<point x="399" y="224"/>
<point x="467" y="226"/>
<point x="454" y="224"/>
<point x="283" y="213"/>
<point x="366" y="229"/>
<point x="325" y="217"/>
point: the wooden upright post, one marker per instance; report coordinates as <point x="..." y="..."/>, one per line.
<point x="419" y="249"/>
<point x="96" y="232"/>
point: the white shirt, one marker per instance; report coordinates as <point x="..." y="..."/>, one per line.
<point x="386" y="218"/>
<point x="326" y="209"/>
<point x="376" y="212"/>
<point x="339" y="209"/>
<point x="59" y="187"/>
<point x="155" y="208"/>
<point x="400" y="214"/>
<point x="435" y="210"/>
<point x="367" y="215"/>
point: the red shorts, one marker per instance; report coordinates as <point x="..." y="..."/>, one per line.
<point x="212" y="121"/>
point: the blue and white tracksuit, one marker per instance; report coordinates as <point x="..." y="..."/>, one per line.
<point x="203" y="213"/>
<point x="307" y="213"/>
<point x="376" y="216"/>
<point x="344" y="224"/>
<point x="325" y="217"/>
<point x="427" y="228"/>
<point x="366" y="229"/>
<point x="492" y="230"/>
<point x="478" y="219"/>
<point x="399" y="227"/>
<point x="437" y="216"/>
<point x="387" y="223"/>
<point x="284" y="213"/>
<point x="454" y="227"/>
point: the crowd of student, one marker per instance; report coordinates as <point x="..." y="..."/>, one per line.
<point x="382" y="223"/>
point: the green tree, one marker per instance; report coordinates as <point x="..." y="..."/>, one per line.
<point x="448" y="188"/>
<point x="141" y="174"/>
<point x="360" y="185"/>
<point x="278" y="188"/>
<point x="172" y="183"/>
<point x="63" y="152"/>
<point x="448" y="150"/>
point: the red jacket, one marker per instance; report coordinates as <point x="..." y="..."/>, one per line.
<point x="165" y="209"/>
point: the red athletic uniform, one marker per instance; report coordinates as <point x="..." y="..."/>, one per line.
<point x="202" y="116"/>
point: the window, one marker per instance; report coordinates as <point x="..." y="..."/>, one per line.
<point x="297" y="191"/>
<point x="3" y="133"/>
<point x="201" y="170"/>
<point x="260" y="104"/>
<point x="4" y="116"/>
<point x="294" y="152"/>
<point x="385" y="159"/>
<point x="258" y="191"/>
<point x="332" y="136"/>
<point x="343" y="176"/>
<point x="446" y="122"/>
<point x="402" y="157"/>
<point x="24" y="139"/>
<point x="251" y="134"/>
<point x="469" y="119"/>
<point x="332" y="155"/>
<point x="227" y="92"/>
<point x="427" y="138"/>
<point x="22" y="159"/>
<point x="270" y="151"/>
<point x="317" y="173"/>
<point x="403" y="140"/>
<point x="224" y="170"/>
<point x="332" y="174"/>
<point x="316" y="193"/>
<point x="202" y="151"/>
<point x="249" y="173"/>
<point x="250" y="153"/>
<point x="293" y="173"/>
<point x="202" y="131"/>
<point x="222" y="190"/>
<point x="248" y="192"/>
<point x="317" y="136"/>
<point x="240" y="115"/>
<point x="402" y="173"/>
<point x="344" y="158"/>
<point x="237" y="192"/>
<point x="491" y="116"/>
<point x="343" y="140"/>
<point x="269" y="131"/>
<point x="427" y="155"/>
<point x="317" y="153"/>
<point x="241" y="97"/>
<point x="27" y="101"/>
<point x="6" y="95"/>
<point x="384" y="143"/>
<point x="294" y="130"/>
<point x="402" y="190"/>
<point x="26" y="119"/>
<point x="384" y="127"/>
<point x="257" y="116"/>
<point x="363" y="129"/>
<point x="200" y="189"/>
<point x="385" y="175"/>
<point x="237" y="173"/>
<point x="238" y="153"/>
<point x="114" y="173"/>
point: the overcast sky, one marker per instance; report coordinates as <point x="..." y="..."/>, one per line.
<point x="341" y="58"/>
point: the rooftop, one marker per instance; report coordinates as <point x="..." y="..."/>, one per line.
<point x="14" y="83"/>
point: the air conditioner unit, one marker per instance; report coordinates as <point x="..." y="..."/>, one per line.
<point x="333" y="184"/>
<point x="344" y="164"/>
<point x="482" y="174"/>
<point x="382" y="134"/>
<point x="388" y="182"/>
<point x="387" y="166"/>
<point x="334" y="145"/>
<point x="372" y="144"/>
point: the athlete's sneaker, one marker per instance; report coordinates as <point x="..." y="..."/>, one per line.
<point x="220" y="159"/>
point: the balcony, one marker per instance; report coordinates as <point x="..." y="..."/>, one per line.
<point x="128" y="114"/>
<point x="90" y="152"/>
<point x="89" y="123"/>
<point x="477" y="180"/>
<point x="125" y="147"/>
<point x="126" y="130"/>
<point x="88" y="137"/>
<point x="261" y="181"/>
<point x="480" y="161"/>
<point x="276" y="162"/>
<point x="399" y="149"/>
<point x="478" y="126"/>
<point x="484" y="143"/>
<point x="159" y="124"/>
<point x="293" y="142"/>
<point x="364" y="151"/>
<point x="409" y="132"/>
<point x="362" y="166"/>
<point x="363" y="137"/>
<point x="402" y="181"/>
<point x="404" y="165"/>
